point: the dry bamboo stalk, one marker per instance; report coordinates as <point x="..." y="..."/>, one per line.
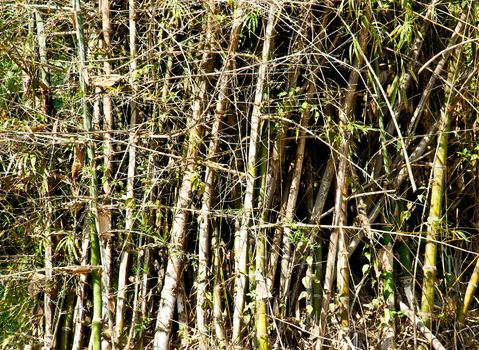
<point x="435" y="343"/>
<point x="132" y="141"/>
<point x="178" y="230"/>
<point x="79" y="312"/>
<point x="345" y="114"/>
<point x="104" y="214"/>
<point x="278" y="162"/>
<point x="48" y="341"/>
<point x="262" y="294"/>
<point x="241" y="238"/>
<point x="48" y="338"/>
<point x="205" y="227"/>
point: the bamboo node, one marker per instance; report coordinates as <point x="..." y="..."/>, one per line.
<point x="430" y="268"/>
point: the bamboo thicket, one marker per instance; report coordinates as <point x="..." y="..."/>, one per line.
<point x="238" y="174"/>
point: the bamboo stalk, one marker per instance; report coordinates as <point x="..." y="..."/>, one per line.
<point x="241" y="237"/>
<point x="80" y="310"/>
<point x="66" y="331"/>
<point x="141" y="297"/>
<point x="105" y="215"/>
<point x="287" y="260"/>
<point x="48" y="340"/>
<point x="439" y="173"/>
<point x="205" y="224"/>
<point x="388" y="287"/>
<point x="278" y="159"/>
<point x="176" y="250"/>
<point x="343" y="262"/>
<point x="217" y="266"/>
<point x="469" y="295"/>
<point x="386" y="255"/>
<point x="337" y="246"/>
<point x="93" y="187"/>
<point x="264" y="198"/>
<point x="130" y="214"/>
<point x="180" y="217"/>
<point x="421" y="327"/>
<point x="49" y="309"/>
<point x="318" y="207"/>
<point x="338" y="237"/>
<point x="181" y="310"/>
<point x="291" y="256"/>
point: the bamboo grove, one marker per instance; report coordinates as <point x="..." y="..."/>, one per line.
<point x="267" y="174"/>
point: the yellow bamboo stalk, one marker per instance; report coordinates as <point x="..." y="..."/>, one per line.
<point x="439" y="169"/>
<point x="471" y="289"/>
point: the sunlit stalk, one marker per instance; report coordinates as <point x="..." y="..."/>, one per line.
<point x="95" y="260"/>
<point x="435" y="219"/>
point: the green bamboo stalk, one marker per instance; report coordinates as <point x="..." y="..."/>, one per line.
<point x="406" y="276"/>
<point x="471" y="289"/>
<point x="405" y="259"/>
<point x="95" y="260"/>
<point x="260" y="271"/>
<point x="66" y="331"/>
<point x="435" y="219"/>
